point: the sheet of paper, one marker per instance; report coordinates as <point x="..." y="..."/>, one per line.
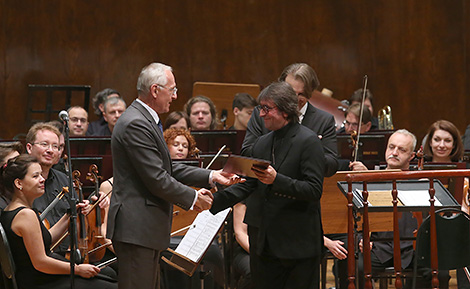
<point x="418" y="198"/>
<point x="201" y="233"/>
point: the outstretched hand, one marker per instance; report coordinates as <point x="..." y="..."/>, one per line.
<point x="226" y="179"/>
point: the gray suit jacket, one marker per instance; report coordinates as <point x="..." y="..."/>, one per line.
<point x="146" y="183"/>
<point x="319" y="121"/>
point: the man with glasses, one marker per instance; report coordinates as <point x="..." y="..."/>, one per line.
<point x="42" y="142"/>
<point x="147" y="183"/>
<point x="78" y="121"/>
<point x="304" y="81"/>
<point x="289" y="237"/>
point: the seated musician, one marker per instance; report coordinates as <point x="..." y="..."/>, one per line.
<point x="242" y="107"/>
<point x="176" y="119"/>
<point x="202" y="113"/>
<point x="399" y="153"/>
<point x="43" y="142"/>
<point x="351" y="126"/>
<point x="98" y="104"/>
<point x="29" y="239"/>
<point x="78" y="123"/>
<point x="356" y="97"/>
<point x="112" y="109"/>
<point x="182" y="145"/>
<point x="8" y="150"/>
<point x="444" y="145"/>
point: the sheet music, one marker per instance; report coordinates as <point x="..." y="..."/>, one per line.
<point x="418" y="198"/>
<point x="201" y="233"/>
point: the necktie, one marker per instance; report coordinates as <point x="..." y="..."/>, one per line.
<point x="160" y="126"/>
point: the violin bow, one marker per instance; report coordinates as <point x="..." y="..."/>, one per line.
<point x="356" y="148"/>
<point x="53" y="203"/>
<point x="216" y="156"/>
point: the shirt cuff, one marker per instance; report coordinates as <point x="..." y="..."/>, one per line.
<point x="211" y="182"/>
<point x="194" y="201"/>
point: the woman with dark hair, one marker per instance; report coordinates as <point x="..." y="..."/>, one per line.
<point x="8" y="150"/>
<point x="443" y="143"/>
<point x="176" y="119"/>
<point x="28" y="237"/>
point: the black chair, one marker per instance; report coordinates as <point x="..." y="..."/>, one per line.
<point x="453" y="241"/>
<point x="6" y="262"/>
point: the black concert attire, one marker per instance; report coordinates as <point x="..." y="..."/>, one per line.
<point x="27" y="276"/>
<point x="285" y="258"/>
<point x="98" y="128"/>
<point x="54" y="183"/>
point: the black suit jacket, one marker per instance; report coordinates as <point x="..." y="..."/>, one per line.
<point x="287" y="211"/>
<point x="319" y="121"/>
<point x="146" y="183"/>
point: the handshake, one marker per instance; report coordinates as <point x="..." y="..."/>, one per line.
<point x="205" y="197"/>
<point x="204" y="200"/>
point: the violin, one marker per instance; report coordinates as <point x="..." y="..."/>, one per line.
<point x="96" y="240"/>
<point x="82" y="222"/>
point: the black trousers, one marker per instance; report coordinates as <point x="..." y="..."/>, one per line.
<point x="268" y="271"/>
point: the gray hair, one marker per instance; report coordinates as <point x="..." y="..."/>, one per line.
<point x="113" y="101"/>
<point x="154" y="73"/>
<point x="406" y="132"/>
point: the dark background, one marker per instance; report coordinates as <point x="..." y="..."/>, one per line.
<point x="414" y="52"/>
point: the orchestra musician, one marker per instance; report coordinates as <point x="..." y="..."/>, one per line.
<point x="202" y="113"/>
<point x="289" y="236"/>
<point x="98" y="104"/>
<point x="356" y="98"/>
<point x="351" y="126"/>
<point x="146" y="183"/>
<point x="43" y="142"/>
<point x="176" y="119"/>
<point x="8" y="150"/>
<point x="242" y="108"/>
<point x="398" y="155"/>
<point x="444" y="145"/>
<point x="30" y="240"/>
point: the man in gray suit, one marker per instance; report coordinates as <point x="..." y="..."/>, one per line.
<point x="147" y="184"/>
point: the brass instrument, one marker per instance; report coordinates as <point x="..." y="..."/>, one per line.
<point x="385" y="118"/>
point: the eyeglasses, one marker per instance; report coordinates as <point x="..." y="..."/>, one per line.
<point x="172" y="90"/>
<point x="45" y="145"/>
<point x="265" y="108"/>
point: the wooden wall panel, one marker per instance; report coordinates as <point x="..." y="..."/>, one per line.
<point x="416" y="55"/>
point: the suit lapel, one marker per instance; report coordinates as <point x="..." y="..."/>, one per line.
<point x="309" y="113"/>
<point x="154" y="126"/>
